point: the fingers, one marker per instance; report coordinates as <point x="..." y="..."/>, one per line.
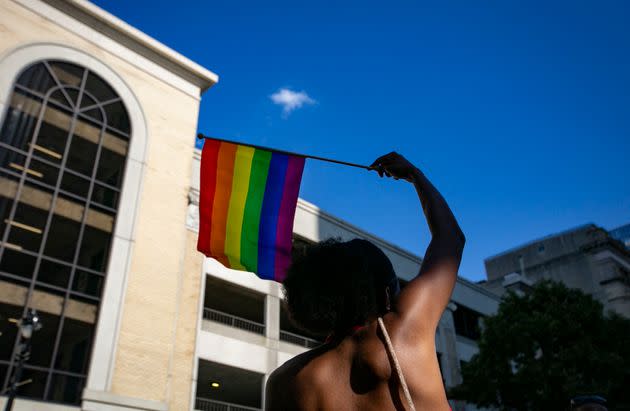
<point x="387" y="165"/>
<point x="394" y="165"/>
<point x="382" y="171"/>
<point x="377" y="168"/>
<point x="383" y="159"/>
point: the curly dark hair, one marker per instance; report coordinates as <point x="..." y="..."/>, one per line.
<point x="335" y="285"/>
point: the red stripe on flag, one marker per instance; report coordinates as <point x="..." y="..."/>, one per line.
<point x="207" y="188"/>
<point x="225" y="175"/>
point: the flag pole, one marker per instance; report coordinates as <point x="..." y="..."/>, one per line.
<point x="330" y="160"/>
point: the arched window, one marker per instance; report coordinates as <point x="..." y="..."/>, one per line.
<point x="63" y="146"/>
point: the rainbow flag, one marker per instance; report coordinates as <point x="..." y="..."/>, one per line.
<point x="246" y="207"/>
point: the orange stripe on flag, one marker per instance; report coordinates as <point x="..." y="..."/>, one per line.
<point x="225" y="173"/>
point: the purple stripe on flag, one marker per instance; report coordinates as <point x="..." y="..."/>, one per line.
<point x="284" y="231"/>
<point x="272" y="201"/>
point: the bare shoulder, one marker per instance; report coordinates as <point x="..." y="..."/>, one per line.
<point x="283" y="386"/>
<point x="275" y="386"/>
<point x="279" y="383"/>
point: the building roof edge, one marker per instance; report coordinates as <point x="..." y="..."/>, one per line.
<point x="478" y="288"/>
<point x="548" y="236"/>
<point x="205" y="77"/>
<point x="312" y="208"/>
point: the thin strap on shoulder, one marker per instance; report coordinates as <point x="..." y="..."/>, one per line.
<point x="401" y="377"/>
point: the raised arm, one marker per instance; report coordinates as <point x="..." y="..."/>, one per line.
<point x="421" y="303"/>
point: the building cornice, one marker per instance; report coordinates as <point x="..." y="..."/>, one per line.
<point x="117" y="30"/>
<point x="346" y="226"/>
<point x="480" y="289"/>
<point x="541" y="239"/>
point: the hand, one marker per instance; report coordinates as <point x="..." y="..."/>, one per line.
<point x="395" y="165"/>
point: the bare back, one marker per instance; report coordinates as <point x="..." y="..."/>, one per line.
<point x="357" y="373"/>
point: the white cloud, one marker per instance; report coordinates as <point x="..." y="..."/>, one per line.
<point x="290" y="100"/>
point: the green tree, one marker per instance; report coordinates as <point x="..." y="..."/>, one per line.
<point x="544" y="347"/>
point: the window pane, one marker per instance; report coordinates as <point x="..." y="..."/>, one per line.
<point x="48" y="303"/>
<point x="9" y="313"/>
<point x="40" y="171"/>
<point x="87" y="100"/>
<point x="51" y="142"/>
<point x="117" y="116"/>
<point x="53" y="273"/>
<point x="466" y="322"/>
<point x="3" y="372"/>
<point x="66" y="73"/>
<point x="35" y="388"/>
<point x="94" y="114"/>
<point x="12" y="160"/>
<point x="27" y="227"/>
<point x="74" y="95"/>
<point x="63" y="236"/>
<point x="105" y="196"/>
<point x="17" y="263"/>
<point x="19" y="124"/>
<point x="94" y="248"/>
<point x="88" y="130"/>
<point x="62" y="97"/>
<point x="88" y="283"/>
<point x="74" y="346"/>
<point x="81" y="309"/>
<point x="82" y="153"/>
<point x="55" y="125"/>
<point x="37" y="78"/>
<point x="5" y="208"/>
<point x="75" y="184"/>
<point x="67" y="389"/>
<point x="35" y="170"/>
<point x="110" y="168"/>
<point x="98" y="88"/>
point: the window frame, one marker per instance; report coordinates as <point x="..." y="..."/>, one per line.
<point x="86" y="203"/>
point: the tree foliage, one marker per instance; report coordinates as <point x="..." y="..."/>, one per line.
<point x="542" y="348"/>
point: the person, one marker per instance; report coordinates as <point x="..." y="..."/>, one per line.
<point x="588" y="403"/>
<point x="349" y="292"/>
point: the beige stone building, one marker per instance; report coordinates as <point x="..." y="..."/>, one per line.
<point x="97" y="116"/>
<point x="586" y="257"/>
<point x="99" y="180"/>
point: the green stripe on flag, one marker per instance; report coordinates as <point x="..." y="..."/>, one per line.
<point x="253" y="207"/>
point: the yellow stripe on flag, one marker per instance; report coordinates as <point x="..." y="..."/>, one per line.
<point x="240" y="185"/>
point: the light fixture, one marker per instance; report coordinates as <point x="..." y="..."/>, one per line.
<point x="26" y="330"/>
<point x="26" y="170"/>
<point x="215" y="384"/>
<point x="46" y="151"/>
<point x="23" y="226"/>
<point x="12" y="246"/>
<point x="29" y="324"/>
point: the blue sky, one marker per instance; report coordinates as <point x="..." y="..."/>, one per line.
<point x="518" y="111"/>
